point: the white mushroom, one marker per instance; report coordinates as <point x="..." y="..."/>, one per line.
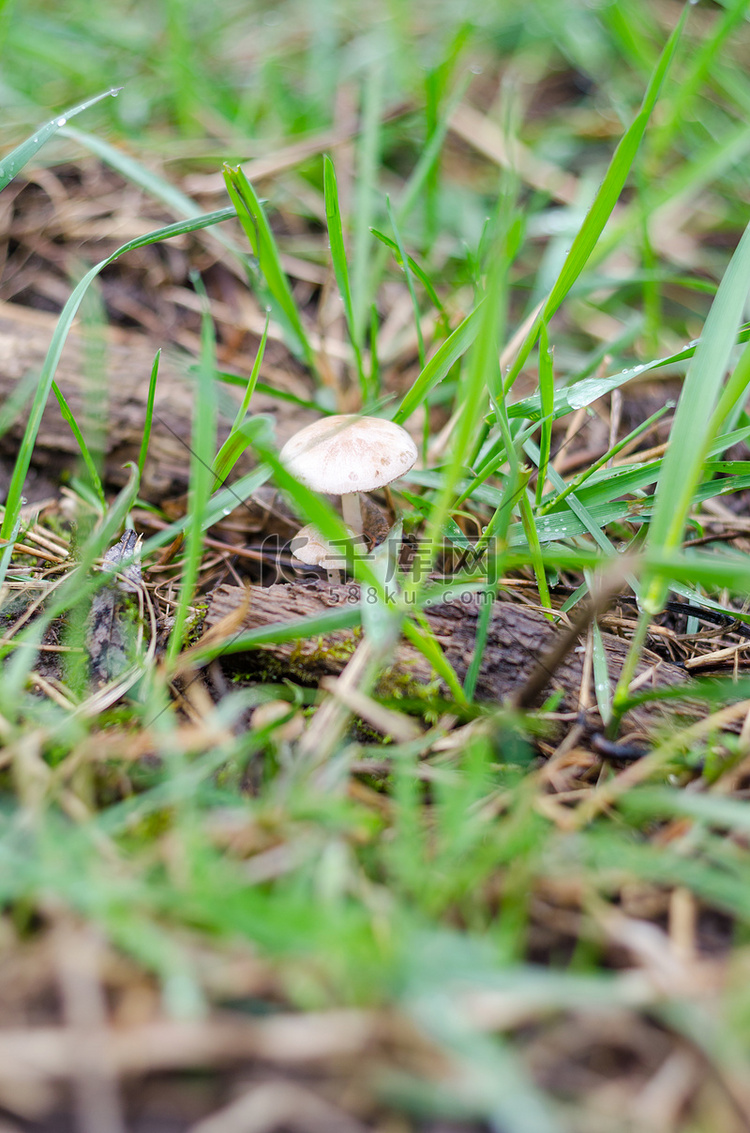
<point x="345" y="454"/>
<point x="309" y="546"/>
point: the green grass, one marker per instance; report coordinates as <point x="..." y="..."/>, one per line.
<point x="455" y="876"/>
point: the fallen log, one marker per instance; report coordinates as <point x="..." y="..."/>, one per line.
<point x="115" y="410"/>
<point x="518" y="639"/>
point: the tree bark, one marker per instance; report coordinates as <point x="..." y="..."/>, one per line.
<point x="518" y="640"/>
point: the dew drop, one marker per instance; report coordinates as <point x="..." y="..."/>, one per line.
<point x="61" y="121"/>
<point x="476" y="69"/>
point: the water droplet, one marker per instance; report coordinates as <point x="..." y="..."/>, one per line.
<point x="476" y="69"/>
<point x="61" y="121"/>
<point x="115" y="91"/>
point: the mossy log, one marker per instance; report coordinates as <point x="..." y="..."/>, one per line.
<point x="519" y="641"/>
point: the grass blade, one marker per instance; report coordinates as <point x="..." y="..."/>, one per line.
<point x="602" y="684"/>
<point x="240" y="438"/>
<point x="253" y="379"/>
<point x="316" y="625"/>
<point x="580" y="480"/>
<point x="68" y="313"/>
<point x="149" y="416"/>
<point x="6" y="552"/>
<point x="367" y="175"/>
<point x="220" y="504"/>
<point x="202" y="449"/>
<point x="338" y="258"/>
<point x="88" y="460"/>
<point x="424" y="640"/>
<point x="735" y="12"/>
<point x="14" y="162"/>
<point x="604" y="202"/>
<point x="546" y="398"/>
<point x="480" y="642"/>
<point x="695" y="418"/>
<point x="484" y="369"/>
<point x="532" y="538"/>
<point x="440" y="365"/>
<point x="421" y="172"/>
<point x="252" y="217"/>
<point x="243" y="432"/>
<point x="409" y="282"/>
<point x="78" y="585"/>
<point x="137" y="173"/>
<point x="416" y="270"/>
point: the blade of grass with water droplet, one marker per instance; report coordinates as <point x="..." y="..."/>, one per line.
<point x="14" y="162"/>
<point x="581" y="480"/>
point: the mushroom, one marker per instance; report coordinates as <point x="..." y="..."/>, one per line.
<point x="309" y="546"/>
<point x="345" y="454"/>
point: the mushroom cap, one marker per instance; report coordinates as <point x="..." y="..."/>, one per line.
<point x="309" y="546"/>
<point x="346" y="453"/>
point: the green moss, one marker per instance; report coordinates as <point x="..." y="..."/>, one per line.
<point x="399" y="684"/>
<point x="194" y="629"/>
<point x="311" y="658"/>
<point x="334" y="648"/>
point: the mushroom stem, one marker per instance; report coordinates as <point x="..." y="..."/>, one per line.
<point x="351" y="511"/>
